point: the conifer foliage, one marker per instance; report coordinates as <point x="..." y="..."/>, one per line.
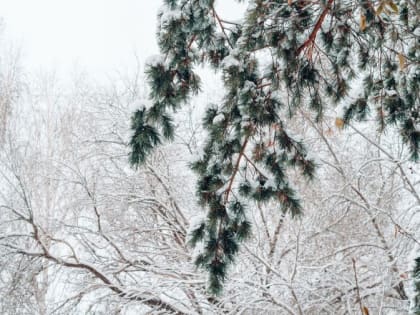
<point x="284" y="55"/>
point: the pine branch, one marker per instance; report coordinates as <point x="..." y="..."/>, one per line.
<point x="219" y="21"/>
<point x="312" y="36"/>
<point x="236" y="169"/>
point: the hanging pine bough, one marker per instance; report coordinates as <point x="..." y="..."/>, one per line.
<point x="314" y="49"/>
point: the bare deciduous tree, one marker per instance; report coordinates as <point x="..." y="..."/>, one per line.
<point x="82" y="232"/>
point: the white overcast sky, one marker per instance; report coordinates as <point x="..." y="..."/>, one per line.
<point x="96" y="35"/>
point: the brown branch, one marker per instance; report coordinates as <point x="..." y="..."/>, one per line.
<point x="231" y="180"/>
<point x="221" y="26"/>
<point x="357" y="286"/>
<point x="253" y="165"/>
<point x="311" y="38"/>
<point x="236" y="169"/>
<point x="230" y="22"/>
<point x="191" y="41"/>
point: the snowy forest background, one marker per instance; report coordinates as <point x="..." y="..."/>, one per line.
<point x="83" y="232"/>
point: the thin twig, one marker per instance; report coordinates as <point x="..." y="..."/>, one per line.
<point x="357" y="285"/>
